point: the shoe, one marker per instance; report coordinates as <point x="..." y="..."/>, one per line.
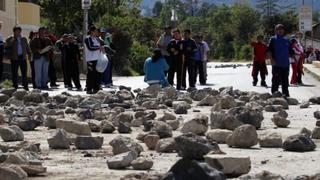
<point x="26" y="88"/>
<point x="254" y="83"/>
<point x="89" y="92"/>
<point x="79" y="89"/>
<point x="264" y="84"/>
<point x="54" y="85"/>
<point x="70" y="88"/>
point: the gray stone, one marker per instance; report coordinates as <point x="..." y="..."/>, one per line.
<point x="316" y="114"/>
<point x="304" y="105"/>
<point x="230" y="166"/>
<point x="264" y="175"/>
<point x="222" y="120"/>
<point x="124" y="128"/>
<point x="150" y="104"/>
<point x="70" y="110"/>
<point x="175" y="124"/>
<point x="11" y="133"/>
<point x="59" y="140"/>
<point x="71" y="103"/>
<point x="244" y="136"/>
<point x="292" y="101"/>
<point x="167" y="116"/>
<point x="88" y="142"/>
<point x="208" y="101"/>
<point x="280" y="121"/>
<point x="192" y="146"/>
<point x="247" y="115"/>
<point x="121" y="161"/>
<point x="318" y="123"/>
<point x="33" y="170"/>
<point x="316" y="133"/>
<point x="75" y="127"/>
<point x="141" y="164"/>
<point x="19" y="94"/>
<point x="94" y="125"/>
<point x="4" y="98"/>
<point x="181" y="108"/>
<point x="226" y="102"/>
<point x="273" y="108"/>
<point x="167" y="145"/>
<point x="122" y="144"/>
<point x="34" y="97"/>
<point x="299" y="143"/>
<point x="162" y="129"/>
<point x="306" y="132"/>
<point x="107" y="127"/>
<point x="8" y="91"/>
<point x="125" y="94"/>
<point x="126" y="117"/>
<point x="151" y="141"/>
<point x="282" y="113"/>
<point x="279" y="101"/>
<point x="26" y="123"/>
<point x="218" y="135"/>
<point x="90" y="103"/>
<point x="270" y="140"/>
<point x="197" y="125"/>
<point x="12" y="172"/>
<point x="51" y="122"/>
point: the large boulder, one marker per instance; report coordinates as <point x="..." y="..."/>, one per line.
<point x="122" y="144"/>
<point x="244" y="136"/>
<point x="11" y="133"/>
<point x="186" y="169"/>
<point x="121" y="161"/>
<point x="197" y="125"/>
<point x="192" y="146"/>
<point x="230" y="166"/>
<point x="88" y="142"/>
<point x="75" y="127"/>
<point x="299" y="143"/>
<point x="218" y="135"/>
<point x="59" y="140"/>
<point x="247" y="115"/>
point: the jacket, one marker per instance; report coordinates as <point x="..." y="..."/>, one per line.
<point x="11" y="43"/>
<point x="280" y="49"/>
<point x="154" y="71"/>
<point x="92" y="48"/>
<point x="37" y="44"/>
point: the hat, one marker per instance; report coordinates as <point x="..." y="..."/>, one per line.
<point x="103" y="30"/>
<point x="279" y="26"/>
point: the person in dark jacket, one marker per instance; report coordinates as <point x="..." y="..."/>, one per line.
<point x="20" y="51"/>
<point x="280" y="52"/>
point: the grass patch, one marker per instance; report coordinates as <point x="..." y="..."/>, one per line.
<point x="6" y="84"/>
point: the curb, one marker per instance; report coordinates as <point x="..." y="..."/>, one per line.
<point x="315" y="75"/>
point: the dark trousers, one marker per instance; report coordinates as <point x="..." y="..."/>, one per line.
<point x="52" y="72"/>
<point x="63" y="67"/>
<point x="280" y="75"/>
<point x="259" y="68"/>
<point x="1" y="61"/>
<point x="299" y="75"/>
<point x="33" y="74"/>
<point x="199" y="70"/>
<point x="93" y="77"/>
<point x="107" y="74"/>
<point x="189" y="64"/>
<point x="175" y="66"/>
<point x="15" y="64"/>
<point x="72" y="74"/>
<point x="167" y="58"/>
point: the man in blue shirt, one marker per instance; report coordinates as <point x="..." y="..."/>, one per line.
<point x="280" y="51"/>
<point x="198" y="58"/>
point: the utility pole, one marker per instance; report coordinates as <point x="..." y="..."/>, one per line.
<point x="85" y="6"/>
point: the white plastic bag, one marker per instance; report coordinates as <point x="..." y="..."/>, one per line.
<point x="102" y="63"/>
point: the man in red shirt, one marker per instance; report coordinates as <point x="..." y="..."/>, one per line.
<point x="259" y="61"/>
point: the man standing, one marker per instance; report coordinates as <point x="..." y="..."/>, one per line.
<point x="259" y="61"/>
<point x="205" y="57"/>
<point x="163" y="42"/>
<point x="1" y="52"/>
<point x="279" y="48"/>
<point x="106" y="38"/>
<point x="20" y="51"/>
<point x="198" y="57"/>
<point x="52" y="70"/>
<point x="188" y="47"/>
<point x="41" y="47"/>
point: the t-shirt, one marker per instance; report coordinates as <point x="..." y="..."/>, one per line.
<point x="260" y="51"/>
<point x="164" y="41"/>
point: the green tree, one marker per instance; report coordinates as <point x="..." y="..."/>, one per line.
<point x="157" y="8"/>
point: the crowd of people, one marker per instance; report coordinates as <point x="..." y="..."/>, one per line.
<point x="38" y="51"/>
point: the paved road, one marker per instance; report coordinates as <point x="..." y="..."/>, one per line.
<point x="239" y="78"/>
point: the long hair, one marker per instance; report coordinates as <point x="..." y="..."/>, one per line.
<point x="156" y="55"/>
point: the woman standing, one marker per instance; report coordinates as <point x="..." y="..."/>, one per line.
<point x="92" y="53"/>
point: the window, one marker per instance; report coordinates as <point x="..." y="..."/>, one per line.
<point x="2" y="5"/>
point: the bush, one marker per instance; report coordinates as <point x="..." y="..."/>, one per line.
<point x="138" y="54"/>
<point x="245" y="52"/>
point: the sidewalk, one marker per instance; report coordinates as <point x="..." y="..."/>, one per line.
<point x="313" y="70"/>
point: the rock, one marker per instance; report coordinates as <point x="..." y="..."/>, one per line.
<point x="122" y="144"/>
<point x="60" y="99"/>
<point x="71" y="103"/>
<point x="280" y="121"/>
<point x="306" y="132"/>
<point x="124" y="128"/>
<point x="75" y="127"/>
<point x="88" y="142"/>
<point x="167" y="145"/>
<point x="34" y="97"/>
<point x="141" y="164"/>
<point x="151" y="141"/>
<point x="125" y="94"/>
<point x="16" y="158"/>
<point x="298" y="143"/>
<point x="94" y="125"/>
<point x="226" y="102"/>
<point x="270" y="140"/>
<point x="122" y="117"/>
<point x="59" y="140"/>
<point x="121" y="161"/>
<point x="181" y="108"/>
<point x="186" y="169"/>
<point x="51" y="122"/>
<point x="208" y="101"/>
<point x="247" y="115"/>
<point x="244" y="136"/>
<point x="279" y="101"/>
<point x="162" y="129"/>
<point x="167" y="116"/>
<point x="218" y="135"/>
<point x="70" y="110"/>
<point x="273" y="108"/>
<point x="107" y="127"/>
<point x="33" y="170"/>
<point x="230" y="166"/>
<point x="221" y="120"/>
<point x="264" y="175"/>
<point x="12" y="172"/>
<point x="8" y="91"/>
<point x="304" y="105"/>
<point x="175" y="124"/>
<point x="26" y="123"/>
<point x="2" y="119"/>
<point x="198" y="125"/>
<point x="4" y="98"/>
<point x="282" y="113"/>
<point x="316" y="133"/>
<point x="192" y="146"/>
<point x="316" y="114"/>
<point x="84" y="114"/>
<point x="19" y="94"/>
<point x="292" y="101"/>
<point x="318" y="123"/>
<point x="90" y="103"/>
<point x="11" y="133"/>
<point x="150" y="104"/>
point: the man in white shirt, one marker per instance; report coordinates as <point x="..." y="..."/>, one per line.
<point x="206" y="58"/>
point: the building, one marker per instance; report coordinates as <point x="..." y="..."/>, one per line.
<point x="22" y="13"/>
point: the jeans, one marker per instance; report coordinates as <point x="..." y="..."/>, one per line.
<point x="41" y="67"/>
<point x="15" y="64"/>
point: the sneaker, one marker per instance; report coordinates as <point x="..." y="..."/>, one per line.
<point x="254" y="83"/>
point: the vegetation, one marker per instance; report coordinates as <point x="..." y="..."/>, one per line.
<point x="227" y="29"/>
